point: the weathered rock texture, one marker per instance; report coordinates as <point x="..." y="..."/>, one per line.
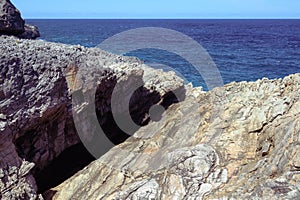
<point x="37" y="80"/>
<point x="240" y="141"/>
<point x="11" y="22"/>
<point x="31" y="32"/>
<point x="10" y="18"/>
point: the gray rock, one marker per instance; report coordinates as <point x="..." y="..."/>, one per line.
<point x="31" y="32"/>
<point x="10" y="19"/>
<point x="15" y="185"/>
<point x="240" y="141"/>
<point x="11" y="22"/>
<point x="38" y="82"/>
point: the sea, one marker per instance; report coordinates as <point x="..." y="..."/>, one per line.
<point x="242" y="50"/>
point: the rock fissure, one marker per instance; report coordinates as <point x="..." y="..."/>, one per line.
<point x="239" y="141"/>
<point x="215" y="163"/>
<point x="40" y="119"/>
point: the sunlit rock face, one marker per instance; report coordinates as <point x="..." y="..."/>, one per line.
<point x="38" y="80"/>
<point x="239" y="141"/>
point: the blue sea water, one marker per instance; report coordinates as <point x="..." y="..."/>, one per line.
<point x="243" y="50"/>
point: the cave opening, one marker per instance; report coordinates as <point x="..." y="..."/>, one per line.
<point x="69" y="162"/>
<point x="76" y="157"/>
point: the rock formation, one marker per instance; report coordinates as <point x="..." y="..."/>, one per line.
<point x="37" y="80"/>
<point x="240" y="141"/>
<point x="31" y="32"/>
<point x="11" y="22"/>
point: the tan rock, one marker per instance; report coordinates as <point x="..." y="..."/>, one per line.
<point x="240" y="146"/>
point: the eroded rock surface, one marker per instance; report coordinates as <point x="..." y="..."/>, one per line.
<point x="37" y="80"/>
<point x="240" y="141"/>
<point x="11" y="22"/>
<point x="10" y="19"/>
<point x="31" y="32"/>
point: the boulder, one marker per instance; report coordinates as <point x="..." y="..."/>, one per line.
<point x="31" y="32"/>
<point x="11" y="22"/>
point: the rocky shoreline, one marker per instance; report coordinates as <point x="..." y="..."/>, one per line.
<point x="37" y="82"/>
<point x="239" y="141"/>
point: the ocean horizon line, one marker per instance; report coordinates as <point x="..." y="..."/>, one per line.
<point x="162" y="18"/>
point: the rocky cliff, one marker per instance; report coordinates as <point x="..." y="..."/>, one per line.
<point x="11" y="22"/>
<point x="240" y="141"/>
<point x="37" y="81"/>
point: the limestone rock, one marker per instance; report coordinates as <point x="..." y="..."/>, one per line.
<point x="240" y="141"/>
<point x="38" y="80"/>
<point x="16" y="184"/>
<point x="11" y="22"/>
<point x="31" y="32"/>
<point x="10" y="19"/>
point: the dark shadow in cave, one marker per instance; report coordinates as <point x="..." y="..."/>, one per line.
<point x="140" y="103"/>
<point x="76" y="157"/>
<point x="70" y="161"/>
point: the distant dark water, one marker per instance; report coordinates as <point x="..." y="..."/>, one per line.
<point x="242" y="49"/>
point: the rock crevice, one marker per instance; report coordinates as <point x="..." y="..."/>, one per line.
<point x="38" y="82"/>
<point x="240" y="141"/>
